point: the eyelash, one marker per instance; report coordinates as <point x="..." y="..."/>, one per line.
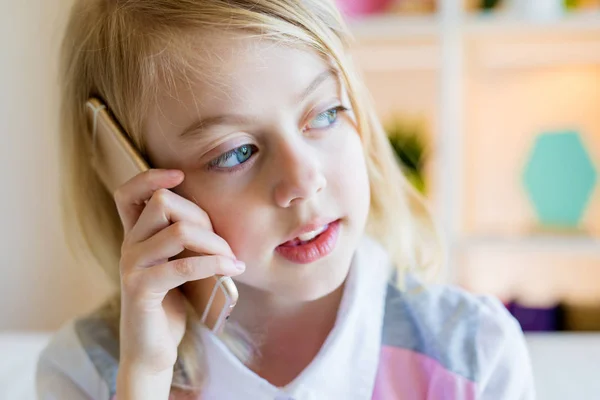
<point x="213" y="165"/>
<point x="338" y="109"/>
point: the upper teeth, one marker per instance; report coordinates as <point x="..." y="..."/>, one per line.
<point x="310" y="235"/>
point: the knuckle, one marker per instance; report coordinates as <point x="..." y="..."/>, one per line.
<point x="180" y="230"/>
<point x="118" y="195"/>
<point x="160" y="201"/>
<point x="204" y="216"/>
<point x="219" y="264"/>
<point x="126" y="244"/>
<point x="184" y="267"/>
<point x="127" y="264"/>
<point x="127" y="255"/>
<point x="161" y="197"/>
<point x="124" y="263"/>
<point x="130" y="283"/>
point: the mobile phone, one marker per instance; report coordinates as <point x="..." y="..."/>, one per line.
<point x="116" y="160"/>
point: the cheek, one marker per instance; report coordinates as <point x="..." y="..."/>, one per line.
<point x="233" y="214"/>
<point x="238" y="222"/>
<point x="348" y="177"/>
<point x="242" y="231"/>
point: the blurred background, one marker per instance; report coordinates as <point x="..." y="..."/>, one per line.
<point x="493" y="107"/>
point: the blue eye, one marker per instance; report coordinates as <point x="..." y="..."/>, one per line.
<point x="233" y="158"/>
<point x="327" y="118"/>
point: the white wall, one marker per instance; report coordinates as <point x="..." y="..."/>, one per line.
<point x="40" y="285"/>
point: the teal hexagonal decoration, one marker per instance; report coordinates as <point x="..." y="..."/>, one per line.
<point x="559" y="178"/>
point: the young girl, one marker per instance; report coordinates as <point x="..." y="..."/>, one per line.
<point x="270" y="166"/>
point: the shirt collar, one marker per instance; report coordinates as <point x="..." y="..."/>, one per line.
<point x="345" y="366"/>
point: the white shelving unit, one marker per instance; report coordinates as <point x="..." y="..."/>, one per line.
<point x="442" y="54"/>
<point x="388" y="26"/>
<point x="444" y="44"/>
<point x="511" y="24"/>
<point x="396" y="26"/>
<point x="449" y="136"/>
<point x="537" y="243"/>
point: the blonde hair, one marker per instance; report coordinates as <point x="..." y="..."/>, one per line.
<point x="125" y="51"/>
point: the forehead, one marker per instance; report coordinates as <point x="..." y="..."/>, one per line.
<point x="242" y="72"/>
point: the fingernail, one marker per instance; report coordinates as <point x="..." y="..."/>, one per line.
<point x="174" y="173"/>
<point x="240" y="265"/>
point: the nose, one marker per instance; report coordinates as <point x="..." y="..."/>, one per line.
<point x="300" y="174"/>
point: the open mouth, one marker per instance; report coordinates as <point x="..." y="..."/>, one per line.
<point x="311" y="246"/>
<point x="306" y="237"/>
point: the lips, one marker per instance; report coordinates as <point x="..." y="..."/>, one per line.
<point x="315" y="227"/>
<point x="306" y="237"/>
<point x="305" y="252"/>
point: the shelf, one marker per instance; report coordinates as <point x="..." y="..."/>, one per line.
<point x="414" y="27"/>
<point x="547" y="244"/>
<point x="390" y="58"/>
<point x="539" y="54"/>
<point x="506" y="42"/>
<point x="391" y="26"/>
<point x="470" y="54"/>
<point x="509" y="24"/>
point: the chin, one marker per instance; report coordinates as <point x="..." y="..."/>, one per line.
<point x="313" y="281"/>
<point x="319" y="286"/>
<point x="297" y="282"/>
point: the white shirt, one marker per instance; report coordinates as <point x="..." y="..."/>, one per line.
<point x="433" y="342"/>
<point x="346" y="365"/>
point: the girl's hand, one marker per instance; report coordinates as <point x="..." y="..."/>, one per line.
<point x="159" y="225"/>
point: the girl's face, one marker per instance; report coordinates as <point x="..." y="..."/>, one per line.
<point x="267" y="149"/>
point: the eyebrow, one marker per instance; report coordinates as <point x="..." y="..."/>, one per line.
<point x="200" y="125"/>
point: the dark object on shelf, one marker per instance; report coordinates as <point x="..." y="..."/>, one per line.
<point x="407" y="7"/>
<point x="361" y="8"/>
<point x="489" y="4"/>
<point x="581" y="317"/>
<point x="407" y="138"/>
<point x="570" y="4"/>
<point x="537" y="319"/>
<point x="582" y="4"/>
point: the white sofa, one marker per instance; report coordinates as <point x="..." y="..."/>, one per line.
<point x="18" y="355"/>
<point x="566" y="366"/>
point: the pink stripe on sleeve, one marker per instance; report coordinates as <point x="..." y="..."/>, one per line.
<point x="407" y="375"/>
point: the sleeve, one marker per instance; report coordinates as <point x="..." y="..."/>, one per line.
<point x="52" y="384"/>
<point x="65" y="371"/>
<point x="503" y="354"/>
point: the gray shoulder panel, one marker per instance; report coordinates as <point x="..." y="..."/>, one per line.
<point x="101" y="346"/>
<point x="438" y="321"/>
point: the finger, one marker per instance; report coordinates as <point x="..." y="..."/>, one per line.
<point x="173" y="240"/>
<point x="164" y="208"/>
<point x="164" y="277"/>
<point x="131" y="197"/>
